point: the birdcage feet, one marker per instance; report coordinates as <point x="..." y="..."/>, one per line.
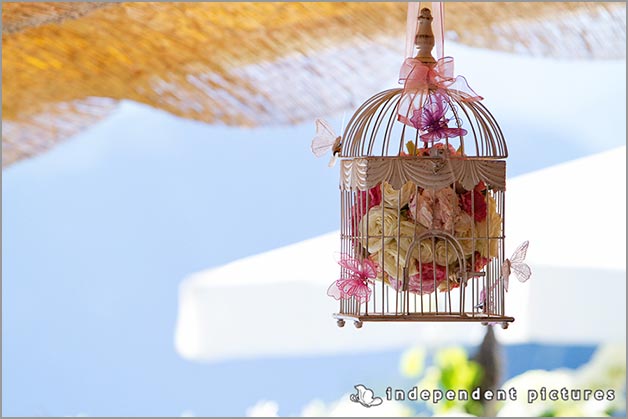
<point x="340" y="323"/>
<point x="357" y="324"/>
<point x="484" y="323"/>
<point x="504" y="325"/>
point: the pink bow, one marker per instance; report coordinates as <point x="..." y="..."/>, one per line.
<point x="416" y="75"/>
<point x="356" y="285"/>
<point x="419" y="79"/>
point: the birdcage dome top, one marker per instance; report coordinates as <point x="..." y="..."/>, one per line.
<point x="381" y="128"/>
<point x="449" y="138"/>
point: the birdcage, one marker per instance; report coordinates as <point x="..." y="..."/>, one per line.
<point x="422" y="183"/>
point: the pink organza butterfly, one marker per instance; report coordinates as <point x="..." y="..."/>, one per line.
<point x="514" y="264"/>
<point x="431" y="119"/>
<point x="356" y="285"/>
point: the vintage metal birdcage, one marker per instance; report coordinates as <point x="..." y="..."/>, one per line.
<point x="422" y="183"/>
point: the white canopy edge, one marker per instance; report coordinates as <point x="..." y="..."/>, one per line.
<point x="275" y="303"/>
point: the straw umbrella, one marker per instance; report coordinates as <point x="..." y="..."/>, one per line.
<point x="66" y="65"/>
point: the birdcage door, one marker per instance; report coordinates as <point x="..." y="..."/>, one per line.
<point x="420" y="291"/>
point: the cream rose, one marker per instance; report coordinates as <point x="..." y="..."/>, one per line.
<point x="392" y="259"/>
<point x="425" y="252"/>
<point x="378" y="227"/>
<point x="444" y="253"/>
<point x="394" y="255"/>
<point x="407" y="232"/>
<point x="397" y="199"/>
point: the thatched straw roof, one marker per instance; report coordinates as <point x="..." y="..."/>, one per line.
<point x="65" y="65"/>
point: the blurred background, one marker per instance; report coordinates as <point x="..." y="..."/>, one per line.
<point x="168" y="236"/>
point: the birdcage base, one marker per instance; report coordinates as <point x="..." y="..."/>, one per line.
<point x="418" y="317"/>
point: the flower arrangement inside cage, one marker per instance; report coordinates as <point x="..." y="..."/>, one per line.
<point x="386" y="222"/>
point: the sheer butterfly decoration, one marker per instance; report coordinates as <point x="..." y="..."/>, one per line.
<point x="326" y="140"/>
<point x="431" y="118"/>
<point x="361" y="274"/>
<point x="515" y="264"/>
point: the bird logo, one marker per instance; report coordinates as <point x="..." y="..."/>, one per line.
<point x="365" y="397"/>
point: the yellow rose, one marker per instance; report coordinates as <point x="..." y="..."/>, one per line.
<point x="397" y="199"/>
<point x="378" y="227"/>
<point x="488" y="231"/>
<point x="463" y="231"/>
<point x="467" y="245"/>
<point x="391" y="261"/>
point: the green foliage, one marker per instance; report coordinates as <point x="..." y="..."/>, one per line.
<point x="451" y="370"/>
<point x="458" y="372"/>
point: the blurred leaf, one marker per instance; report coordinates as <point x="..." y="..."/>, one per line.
<point x="412" y="362"/>
<point x="457" y="371"/>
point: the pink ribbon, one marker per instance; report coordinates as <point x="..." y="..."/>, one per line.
<point x="416" y="75"/>
<point x="419" y="79"/>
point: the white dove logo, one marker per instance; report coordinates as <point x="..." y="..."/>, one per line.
<point x="364" y="396"/>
